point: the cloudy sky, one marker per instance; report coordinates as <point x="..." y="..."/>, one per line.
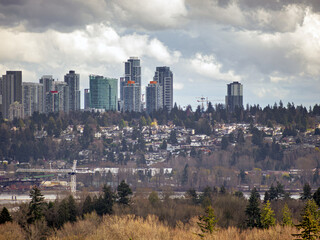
<point x="271" y="46"/>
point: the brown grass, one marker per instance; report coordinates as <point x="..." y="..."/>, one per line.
<point x="9" y="231"/>
<point x="132" y="227"/>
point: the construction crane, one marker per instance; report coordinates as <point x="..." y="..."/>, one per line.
<point x="72" y="172"/>
<point x="203" y="100"/>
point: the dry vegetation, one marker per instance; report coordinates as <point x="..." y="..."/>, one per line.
<point x="127" y="227"/>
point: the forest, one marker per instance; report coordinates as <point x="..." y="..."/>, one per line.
<point x="120" y="214"/>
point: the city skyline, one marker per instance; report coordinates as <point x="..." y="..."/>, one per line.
<point x="272" y="47"/>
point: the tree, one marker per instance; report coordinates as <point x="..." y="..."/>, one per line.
<point x="306" y="194"/>
<point x="286" y="216"/>
<point x="164" y="145"/>
<point x="267" y="216"/>
<point x="207" y="222"/>
<point x="253" y="210"/>
<point x="310" y="222"/>
<point x="104" y="204"/>
<point x="72" y="209"/>
<point x="36" y="205"/>
<point x="185" y="175"/>
<point x="173" y="137"/>
<point x="5" y="216"/>
<point x="316" y="196"/>
<point x="153" y="198"/>
<point x="123" y="193"/>
<point x="87" y="205"/>
<point x="224" y="142"/>
<point x="192" y="194"/>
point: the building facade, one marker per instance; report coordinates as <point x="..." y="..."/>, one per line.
<point x="32" y="98"/>
<point x="47" y="82"/>
<point x="164" y="77"/>
<point x="234" y="98"/>
<point x="131" y="84"/>
<point x="73" y="81"/>
<point x="103" y="93"/>
<point x="154" y="94"/>
<point x="86" y="99"/>
<point x="132" y="97"/>
<point x="11" y="91"/>
<point x="63" y="90"/>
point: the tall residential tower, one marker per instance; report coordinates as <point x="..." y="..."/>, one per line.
<point x="130" y="85"/>
<point x="11" y="93"/>
<point x="164" y="77"/>
<point x="234" y="96"/>
<point x="73" y="81"/>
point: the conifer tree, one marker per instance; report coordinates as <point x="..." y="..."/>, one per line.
<point x="123" y="193"/>
<point x="267" y="216"/>
<point x="253" y="210"/>
<point x="207" y="222"/>
<point x="36" y="205"/>
<point x="5" y="216"/>
<point x="72" y="209"/>
<point x="286" y="216"/>
<point x="309" y="223"/>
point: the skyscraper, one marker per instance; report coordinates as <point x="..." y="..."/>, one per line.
<point x="154" y="94"/>
<point x="132" y="97"/>
<point x="11" y="91"/>
<point x="47" y="82"/>
<point x="132" y="70"/>
<point x="1" y="95"/>
<point x="164" y="77"/>
<point x="32" y="98"/>
<point x="103" y="93"/>
<point x="73" y="81"/>
<point x="86" y="98"/>
<point x="131" y="84"/>
<point x="234" y="96"/>
<point x="63" y="90"/>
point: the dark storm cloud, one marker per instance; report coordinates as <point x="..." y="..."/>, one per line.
<point x="40" y="15"/>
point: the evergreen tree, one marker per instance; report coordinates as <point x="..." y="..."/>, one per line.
<point x="224" y="142"/>
<point x="87" y="205"/>
<point x="72" y="209"/>
<point x="253" y="210"/>
<point x="286" y="216"/>
<point x="267" y="216"/>
<point x="207" y="222"/>
<point x="185" y="175"/>
<point x="310" y="222"/>
<point x="123" y="193"/>
<point x="316" y="196"/>
<point x="5" y="216"/>
<point x="36" y="205"/>
<point x="104" y="204"/>
<point x="192" y="194"/>
<point x="306" y="194"/>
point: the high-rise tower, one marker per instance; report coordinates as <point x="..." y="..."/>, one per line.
<point x="73" y="81"/>
<point x="154" y="94"/>
<point x="234" y="96"/>
<point x="11" y="91"/>
<point x="103" y="93"/>
<point x="32" y="98"/>
<point x="131" y="85"/>
<point x="164" y="77"/>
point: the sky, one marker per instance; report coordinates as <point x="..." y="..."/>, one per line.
<point x="271" y="46"/>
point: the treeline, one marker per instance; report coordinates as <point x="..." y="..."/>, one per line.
<point x="215" y="208"/>
<point x="23" y="139"/>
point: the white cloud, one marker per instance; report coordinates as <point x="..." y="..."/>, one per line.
<point x="208" y="66"/>
<point x="149" y="14"/>
<point x="178" y="86"/>
<point x="97" y="44"/>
